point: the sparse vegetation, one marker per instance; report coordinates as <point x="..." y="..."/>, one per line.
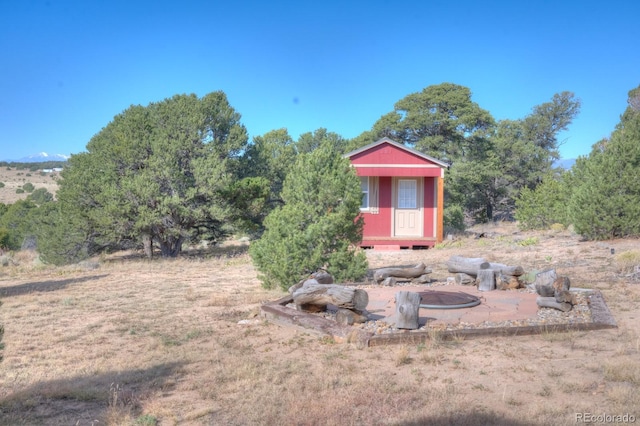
<point x="626" y="262"/>
<point x="141" y="342"/>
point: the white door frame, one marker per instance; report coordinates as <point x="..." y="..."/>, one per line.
<point x="419" y="205"/>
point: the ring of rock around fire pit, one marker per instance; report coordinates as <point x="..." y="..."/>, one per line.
<point x="434" y="299"/>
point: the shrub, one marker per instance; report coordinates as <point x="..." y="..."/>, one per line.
<point x="604" y="202"/>
<point x="19" y="191"/>
<point x="40" y="196"/>
<point x="626" y="262"/>
<point x="454" y="218"/>
<point x="543" y="206"/>
<point x="1" y="184"/>
<point x="317" y="226"/>
<point x="28" y="187"/>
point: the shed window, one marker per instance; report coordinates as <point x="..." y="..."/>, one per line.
<point x="364" y="185"/>
<point x="407" y="194"/>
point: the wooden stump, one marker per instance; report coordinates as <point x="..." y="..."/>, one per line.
<point x="486" y="280"/>
<point x="407" y="308"/>
<point x="544" y="283"/>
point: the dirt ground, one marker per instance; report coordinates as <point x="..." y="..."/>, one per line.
<point x="121" y="340"/>
<point x="14" y="179"/>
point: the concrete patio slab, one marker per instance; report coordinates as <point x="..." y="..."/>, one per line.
<point x="497" y="308"/>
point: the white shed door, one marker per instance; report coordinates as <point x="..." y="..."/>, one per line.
<point x="408" y="209"/>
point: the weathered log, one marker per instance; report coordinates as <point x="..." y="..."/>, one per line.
<point x="543" y="283"/>
<point x="486" y="280"/>
<point x="323" y="277"/>
<point x="334" y="294"/>
<point x="349" y="317"/>
<point x="466" y="265"/>
<point x="383" y="273"/>
<point x="320" y="277"/>
<point x="389" y="282"/>
<point x="507" y="282"/>
<point x="407" y="308"/>
<point x="424" y="278"/>
<point x="464" y="279"/>
<point x="561" y="283"/>
<point x="550" y="302"/>
<point x="471" y="265"/>
<point x="563" y="296"/>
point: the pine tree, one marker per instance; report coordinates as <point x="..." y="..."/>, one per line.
<point x="605" y="201"/>
<point x="318" y="225"/>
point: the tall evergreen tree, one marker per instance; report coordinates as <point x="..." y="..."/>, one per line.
<point x="157" y="174"/>
<point x="605" y="201"/>
<point x="318" y="225"/>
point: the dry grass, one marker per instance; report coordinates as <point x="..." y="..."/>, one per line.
<point x="14" y="179"/>
<point x="126" y="341"/>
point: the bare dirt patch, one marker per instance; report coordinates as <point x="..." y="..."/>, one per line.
<point x="182" y="342"/>
<point x="14" y="179"/>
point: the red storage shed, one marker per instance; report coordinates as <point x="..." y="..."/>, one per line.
<point x="402" y="202"/>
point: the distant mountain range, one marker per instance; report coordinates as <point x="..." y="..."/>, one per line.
<point x="565" y="163"/>
<point x="40" y="157"/>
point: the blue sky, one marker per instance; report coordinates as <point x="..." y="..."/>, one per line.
<point x="67" y="67"/>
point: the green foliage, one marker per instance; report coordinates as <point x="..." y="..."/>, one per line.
<point x="40" y="196"/>
<point x="62" y="235"/>
<point x="4" y="238"/>
<point x="164" y="172"/>
<point x="454" y="217"/>
<point x="28" y="187"/>
<point x="529" y="241"/>
<point x="19" y="191"/>
<point x="544" y="206"/>
<point x="490" y="163"/>
<point x="1" y="184"/>
<point x="606" y="193"/>
<point x="270" y="157"/>
<point x="17" y="221"/>
<point x="317" y="226"/>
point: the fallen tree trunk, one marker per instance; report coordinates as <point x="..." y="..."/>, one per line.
<point x="320" y="277"/>
<point x="334" y="294"/>
<point x="471" y="266"/>
<point x="466" y="265"/>
<point x="550" y="302"/>
<point x="384" y="273"/>
<point x="407" y="308"/>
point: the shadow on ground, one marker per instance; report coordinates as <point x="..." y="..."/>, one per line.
<point x="50" y="285"/>
<point x="85" y="399"/>
<point x="467" y="419"/>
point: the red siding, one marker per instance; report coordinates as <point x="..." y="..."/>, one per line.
<point x="387" y="161"/>
<point x="379" y="225"/>
<point x="429" y="207"/>
<point x="399" y="171"/>
<point x="386" y="154"/>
